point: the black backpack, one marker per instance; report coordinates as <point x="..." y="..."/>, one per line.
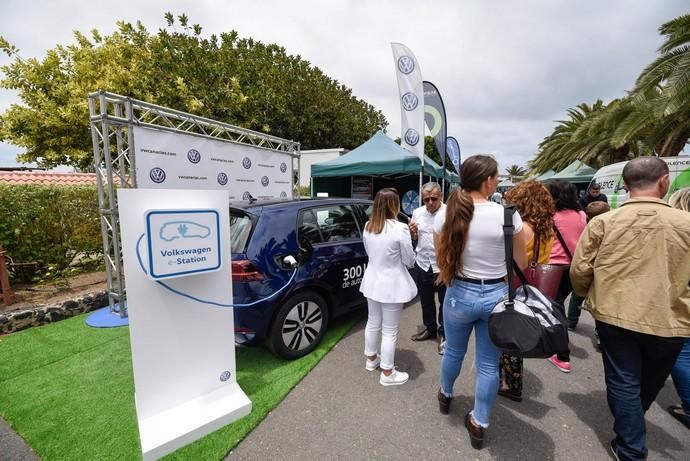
<point x="526" y="323"/>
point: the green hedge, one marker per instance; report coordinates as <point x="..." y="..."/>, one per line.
<point x="49" y="226"/>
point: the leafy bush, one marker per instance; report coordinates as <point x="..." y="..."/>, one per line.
<point x="50" y="226"/>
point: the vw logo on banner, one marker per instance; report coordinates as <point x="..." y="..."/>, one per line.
<point x="246" y="163"/>
<point x="222" y="179"/>
<point x="405" y="64"/>
<point x="411" y="137"/>
<point x="283" y="167"/>
<point x="194" y="156"/>
<point x="410" y="101"/>
<point x="246" y="196"/>
<point x="264" y="181"/>
<point x="283" y="194"/>
<point x="157" y="175"/>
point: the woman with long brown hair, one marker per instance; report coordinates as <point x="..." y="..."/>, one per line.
<point x="471" y="257"/>
<point x="386" y="284"/>
<point x="534" y="202"/>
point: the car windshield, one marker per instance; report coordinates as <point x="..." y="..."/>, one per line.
<point x="240" y="228"/>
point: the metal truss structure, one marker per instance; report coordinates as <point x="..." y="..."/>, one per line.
<point x="112" y="118"/>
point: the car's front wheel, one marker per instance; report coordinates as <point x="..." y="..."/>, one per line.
<point x="299" y="325"/>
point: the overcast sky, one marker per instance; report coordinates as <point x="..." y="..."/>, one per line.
<point x="505" y="69"/>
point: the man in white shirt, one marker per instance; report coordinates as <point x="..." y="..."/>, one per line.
<point x="426" y="269"/>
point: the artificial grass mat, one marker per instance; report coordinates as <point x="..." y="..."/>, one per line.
<point x="68" y="390"/>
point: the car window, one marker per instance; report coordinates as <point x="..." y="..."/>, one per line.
<point x="308" y="228"/>
<point x="336" y="223"/>
<point x="240" y="229"/>
<point x="402" y="217"/>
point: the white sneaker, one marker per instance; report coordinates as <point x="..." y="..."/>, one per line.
<point x="394" y="379"/>
<point x="372" y="365"/>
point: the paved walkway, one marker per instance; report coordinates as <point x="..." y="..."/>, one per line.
<point x="339" y="411"/>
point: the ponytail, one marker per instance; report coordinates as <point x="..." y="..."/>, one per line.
<point x="453" y="238"/>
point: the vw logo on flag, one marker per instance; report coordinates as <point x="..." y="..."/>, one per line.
<point x="410" y="101"/>
<point x="264" y="181"/>
<point x="411" y="137"/>
<point x="405" y="64"/>
<point x="246" y="163"/>
<point x="246" y="195"/>
<point x="283" y="167"/>
<point x="283" y="194"/>
<point x="157" y="175"/>
<point x="222" y="179"/>
<point x="194" y="156"/>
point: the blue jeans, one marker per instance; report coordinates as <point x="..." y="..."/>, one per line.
<point x="467" y="306"/>
<point x="636" y="366"/>
<point x="681" y="376"/>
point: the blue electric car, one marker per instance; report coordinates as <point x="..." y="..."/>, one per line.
<point x="320" y="240"/>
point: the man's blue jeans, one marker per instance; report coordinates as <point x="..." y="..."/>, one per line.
<point x="636" y="365"/>
<point x="681" y="375"/>
<point x="467" y="307"/>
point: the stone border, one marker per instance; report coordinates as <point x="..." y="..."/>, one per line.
<point x="41" y="314"/>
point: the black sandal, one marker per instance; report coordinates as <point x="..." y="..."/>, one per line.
<point x="677" y="412"/>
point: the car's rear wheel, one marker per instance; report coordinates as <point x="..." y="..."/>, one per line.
<point x="299" y="325"/>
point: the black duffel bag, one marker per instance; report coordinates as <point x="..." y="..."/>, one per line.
<point x="526" y="323"/>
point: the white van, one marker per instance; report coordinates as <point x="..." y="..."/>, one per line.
<point x="610" y="178"/>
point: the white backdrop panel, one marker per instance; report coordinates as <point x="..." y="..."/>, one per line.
<point x="167" y="160"/>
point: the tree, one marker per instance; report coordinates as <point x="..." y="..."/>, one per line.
<point x="516" y="173"/>
<point x="226" y="78"/>
<point x="653" y="118"/>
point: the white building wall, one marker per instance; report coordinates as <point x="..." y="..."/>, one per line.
<point x="310" y="157"/>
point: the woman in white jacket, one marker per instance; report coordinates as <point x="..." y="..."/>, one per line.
<point x="387" y="284"/>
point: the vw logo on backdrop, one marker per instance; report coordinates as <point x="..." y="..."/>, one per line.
<point x="411" y="137"/>
<point x="283" y="194"/>
<point x="222" y="179"/>
<point x="283" y="167"/>
<point x="224" y="376"/>
<point x="246" y="163"/>
<point x="246" y="196"/>
<point x="157" y="175"/>
<point x="264" y="181"/>
<point x="410" y="101"/>
<point x="194" y="156"/>
<point x="405" y="64"/>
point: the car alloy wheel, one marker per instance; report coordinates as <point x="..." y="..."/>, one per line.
<point x="302" y="325"/>
<point x="299" y="325"/>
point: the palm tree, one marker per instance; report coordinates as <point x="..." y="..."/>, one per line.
<point x="662" y="92"/>
<point x="653" y="118"/>
<point x="516" y="173"/>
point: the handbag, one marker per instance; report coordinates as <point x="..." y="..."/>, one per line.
<point x="546" y="277"/>
<point x="526" y="323"/>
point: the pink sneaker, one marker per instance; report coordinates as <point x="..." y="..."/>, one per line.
<point x="563" y="366"/>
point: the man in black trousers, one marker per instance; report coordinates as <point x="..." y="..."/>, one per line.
<point x="426" y="270"/>
<point x="633" y="265"/>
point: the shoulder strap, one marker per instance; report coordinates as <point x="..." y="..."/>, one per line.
<point x="560" y="239"/>
<point x="508" y="229"/>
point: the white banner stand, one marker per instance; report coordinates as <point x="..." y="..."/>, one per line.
<point x="183" y="350"/>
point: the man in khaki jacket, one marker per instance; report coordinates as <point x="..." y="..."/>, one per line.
<point x="633" y="265"/>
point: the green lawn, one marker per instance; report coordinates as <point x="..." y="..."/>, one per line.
<point x="68" y="390"/>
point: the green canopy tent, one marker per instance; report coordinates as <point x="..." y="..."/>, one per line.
<point x="577" y="173"/>
<point x="546" y="175"/>
<point x="380" y="159"/>
<point x="380" y="155"/>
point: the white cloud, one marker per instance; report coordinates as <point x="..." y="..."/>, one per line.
<point x="506" y="70"/>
